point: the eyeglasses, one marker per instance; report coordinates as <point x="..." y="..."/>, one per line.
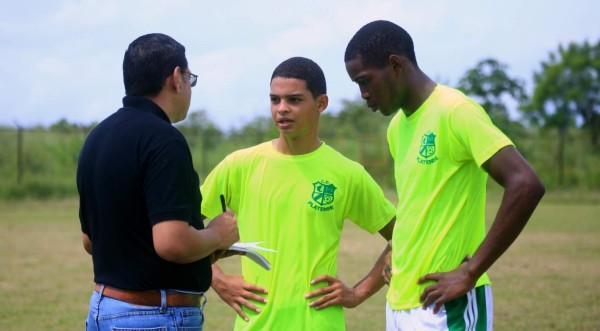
<point x="193" y="79"/>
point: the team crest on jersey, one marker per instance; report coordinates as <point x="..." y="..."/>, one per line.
<point x="322" y="195"/>
<point x="427" y="149"/>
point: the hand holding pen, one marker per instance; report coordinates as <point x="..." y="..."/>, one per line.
<point x="225" y="226"/>
<point x="223" y="205"/>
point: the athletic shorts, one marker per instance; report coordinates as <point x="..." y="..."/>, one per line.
<point x="473" y="311"/>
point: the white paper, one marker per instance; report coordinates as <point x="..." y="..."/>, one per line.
<point x="250" y="251"/>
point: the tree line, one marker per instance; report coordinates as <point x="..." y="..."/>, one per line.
<point x="556" y="128"/>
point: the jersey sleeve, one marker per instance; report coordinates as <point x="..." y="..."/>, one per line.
<point x="216" y="183"/>
<point x="477" y="137"/>
<point x="368" y="207"/>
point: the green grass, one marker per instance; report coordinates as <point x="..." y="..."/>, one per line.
<point x="548" y="280"/>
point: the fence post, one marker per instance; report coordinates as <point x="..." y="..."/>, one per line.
<point x="20" y="169"/>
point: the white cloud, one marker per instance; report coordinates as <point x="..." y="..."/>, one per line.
<point x="87" y="13"/>
<point x="63" y="59"/>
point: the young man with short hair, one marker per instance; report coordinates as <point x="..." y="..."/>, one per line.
<point x="293" y="194"/>
<point x="444" y="146"/>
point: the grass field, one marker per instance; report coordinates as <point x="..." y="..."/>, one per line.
<point x="548" y="280"/>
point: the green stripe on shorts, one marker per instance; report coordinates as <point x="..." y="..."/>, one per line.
<point x="468" y="312"/>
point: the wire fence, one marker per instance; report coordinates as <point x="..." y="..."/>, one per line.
<point x="42" y="164"/>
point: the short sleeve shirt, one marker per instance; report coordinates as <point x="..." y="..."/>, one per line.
<point x="438" y="152"/>
<point x="135" y="170"/>
<point x="295" y="205"/>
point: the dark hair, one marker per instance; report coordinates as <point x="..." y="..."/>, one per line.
<point x="376" y="41"/>
<point x="148" y="61"/>
<point x="304" y="69"/>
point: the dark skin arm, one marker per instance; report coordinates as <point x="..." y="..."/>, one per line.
<point x="387" y="268"/>
<point x="522" y="193"/>
<point x="337" y="293"/>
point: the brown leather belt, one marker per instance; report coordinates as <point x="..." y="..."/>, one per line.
<point x="150" y="298"/>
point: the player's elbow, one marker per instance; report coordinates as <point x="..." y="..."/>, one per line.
<point x="527" y="186"/>
<point x="534" y="187"/>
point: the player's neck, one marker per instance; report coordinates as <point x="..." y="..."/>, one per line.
<point x="419" y="94"/>
<point x="296" y="145"/>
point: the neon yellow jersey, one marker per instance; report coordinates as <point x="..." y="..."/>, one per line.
<point x="438" y="152"/>
<point x="295" y="205"/>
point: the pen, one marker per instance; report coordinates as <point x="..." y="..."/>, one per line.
<point x="223" y="206"/>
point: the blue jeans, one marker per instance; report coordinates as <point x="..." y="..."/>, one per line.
<point x="110" y="314"/>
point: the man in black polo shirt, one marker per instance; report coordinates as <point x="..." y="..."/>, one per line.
<point x="140" y="200"/>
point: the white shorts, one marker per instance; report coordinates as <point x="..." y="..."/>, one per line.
<point x="473" y="311"/>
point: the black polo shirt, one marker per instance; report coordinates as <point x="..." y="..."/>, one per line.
<point x="135" y="170"/>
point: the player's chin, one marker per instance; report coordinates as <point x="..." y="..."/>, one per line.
<point x="386" y="111"/>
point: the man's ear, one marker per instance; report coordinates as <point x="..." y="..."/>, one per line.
<point x="322" y="102"/>
<point x="396" y="63"/>
<point x="175" y="80"/>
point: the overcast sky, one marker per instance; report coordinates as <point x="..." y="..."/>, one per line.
<point x="62" y="59"/>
